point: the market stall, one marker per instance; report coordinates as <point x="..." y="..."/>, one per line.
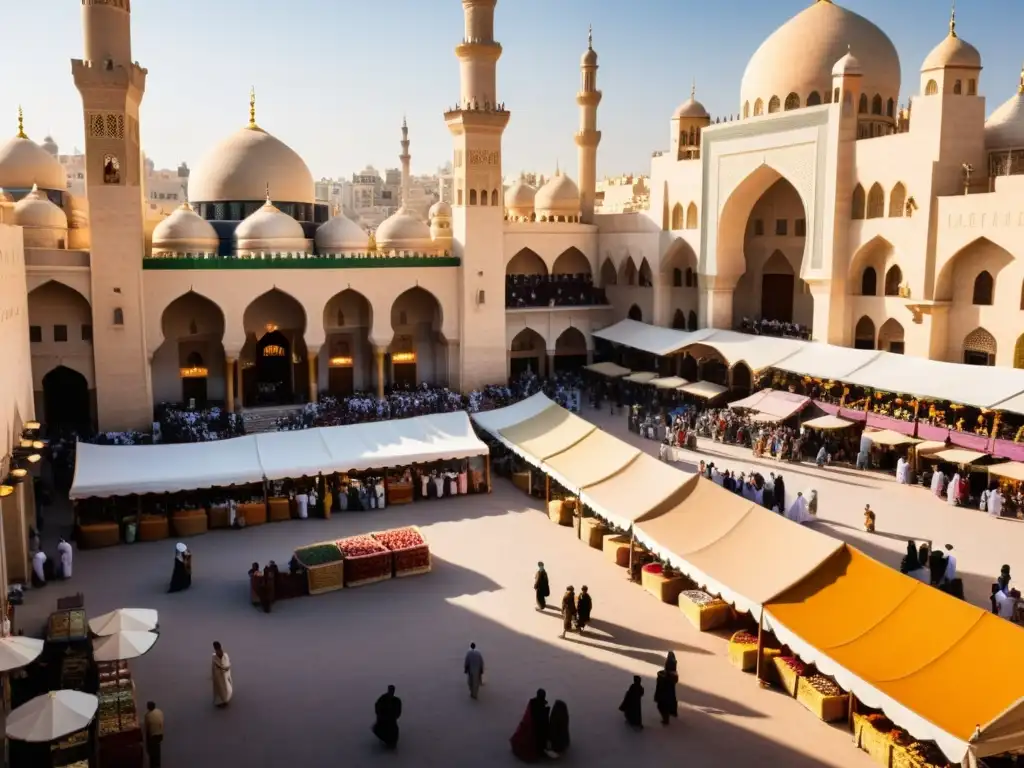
<point x="827" y="422"/>
<point x="642" y="487"/>
<point x="640" y="377"/>
<point x="547" y="433"/>
<point x="772" y="405"/>
<point x="704" y="390"/>
<point x="595" y="458"/>
<point x="668" y="383"/>
<point x="609" y="370"/>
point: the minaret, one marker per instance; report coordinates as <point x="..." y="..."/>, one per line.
<point x="405" y="157"/>
<point x="112" y="86"/>
<point x="477" y="124"/>
<point x="588" y="137"/>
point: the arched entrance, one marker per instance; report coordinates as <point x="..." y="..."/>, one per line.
<point x="777" y="281"/>
<point x="979" y="348"/>
<point x="189" y="366"/>
<point x="636" y="314"/>
<point x="609" y="276"/>
<point x="570" y="350"/>
<point x="714" y="370"/>
<point x="527" y="353"/>
<point x="890" y="337"/>
<point x="274" y="368"/>
<point x="742" y="377"/>
<point x="60" y="330"/>
<point x="864" y="334"/>
<point x="526" y="277"/>
<point x="348" y="318"/>
<point x="679" y="320"/>
<point x="66" y="400"/>
<point x="691" y="321"/>
<point x="417" y="351"/>
<point x="194" y="378"/>
<point x="688" y="367"/>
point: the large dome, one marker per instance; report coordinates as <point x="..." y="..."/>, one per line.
<point x="1005" y="128"/>
<point x="36" y="210"/>
<point x="269" y="229"/>
<point x="558" y="197"/>
<point x="245" y="165"/>
<point x="341" y="234"/>
<point x="24" y="164"/>
<point x="403" y="231"/>
<point x="799" y="56"/>
<point x="185" y="231"/>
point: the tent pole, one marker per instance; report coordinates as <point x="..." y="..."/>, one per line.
<point x="547" y="489"/>
<point x="632" y="541"/>
<point x="487" y="465"/>
<point x="851" y="709"/>
<point x="760" y="646"/>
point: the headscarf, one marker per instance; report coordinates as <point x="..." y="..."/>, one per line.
<point x="910" y="560"/>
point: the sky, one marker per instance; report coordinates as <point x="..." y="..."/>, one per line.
<point x="334" y="78"/>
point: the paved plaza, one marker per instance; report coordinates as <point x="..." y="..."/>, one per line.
<point x="306" y="676"/>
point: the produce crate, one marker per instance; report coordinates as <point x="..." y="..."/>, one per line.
<point x="253" y="514"/>
<point x="665" y="588"/>
<point x="412" y="561"/>
<point x="220" y="516"/>
<point x="326" y="578"/>
<point x="321" y="553"/>
<point x="790" y="670"/>
<point x="97" y="535"/>
<point x="704" y="611"/>
<point x="280" y="510"/>
<point x="743" y="652"/>
<point x="189" y="522"/>
<point x="616" y="549"/>
<point x="827" y="707"/>
<point x="521" y="480"/>
<point x="368" y="569"/>
<point x="875" y="742"/>
<point x="559" y="512"/>
<point x="593" y="531"/>
<point x="154" y="528"/>
<point x="918" y="755"/>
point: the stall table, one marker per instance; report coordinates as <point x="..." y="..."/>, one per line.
<point x="189" y="522"/>
<point x="154" y="528"/>
<point x="98" y="535"/>
<point x="118" y="724"/>
<point x="253" y="513"/>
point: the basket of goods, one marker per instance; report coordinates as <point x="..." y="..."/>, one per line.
<point x="560" y="512"/>
<point x="823" y="697"/>
<point x="153" y="527"/>
<point x="253" y="513"/>
<point x="57" y="629"/>
<point x="325" y="566"/>
<point x="790" y="670"/>
<point x="280" y="509"/>
<point x="366" y="560"/>
<point x="189" y="522"/>
<point x="97" y="535"/>
<point x="704" y="611"/>
<point x="616" y="549"/>
<point x="919" y="754"/>
<point x="410" y="554"/>
<point x="593" y="531"/>
<point x="220" y="516"/>
<point x="666" y="585"/>
<point x="743" y="651"/>
<point x="873" y="734"/>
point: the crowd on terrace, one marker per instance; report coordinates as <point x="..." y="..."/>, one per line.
<point x="552" y="291"/>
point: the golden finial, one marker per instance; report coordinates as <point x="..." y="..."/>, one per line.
<point x="693" y="89"/>
<point x="268" y="191"/>
<point x="590" y="37"/>
<point x="1021" y="89"/>
<point x="371" y="244"/>
<point x="952" y="20"/>
<point x="21" y="124"/>
<point x="252" y="107"/>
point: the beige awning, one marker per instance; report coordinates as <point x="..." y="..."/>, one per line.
<point x="669" y="382"/>
<point x="890" y="438"/>
<point x="929" y="447"/>
<point x="773" y="402"/>
<point x="640" y="377"/>
<point x="959" y="456"/>
<point x="705" y="389"/>
<point x="593" y="459"/>
<point x="827" y="422"/>
<point x="640" y="488"/>
<point x="1011" y="470"/>
<point x="731" y="545"/>
<point x="611" y="370"/>
<point x="549" y="432"/>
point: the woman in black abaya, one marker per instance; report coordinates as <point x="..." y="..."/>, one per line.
<point x="181" y="578"/>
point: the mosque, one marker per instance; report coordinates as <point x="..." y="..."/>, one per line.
<point x="824" y="201"/>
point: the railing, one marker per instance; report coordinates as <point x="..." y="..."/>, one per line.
<point x="300" y="262"/>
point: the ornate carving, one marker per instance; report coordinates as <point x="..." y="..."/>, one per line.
<point x="105" y="125"/>
<point x="483" y="157"/>
<point x="124" y="5"/>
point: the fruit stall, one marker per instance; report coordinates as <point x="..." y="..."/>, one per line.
<point x="119" y="726"/>
<point x="324" y="564"/>
<point x="409" y="551"/>
<point x="367" y="561"/>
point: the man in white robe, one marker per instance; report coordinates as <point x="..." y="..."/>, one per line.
<point x="66" y="556"/>
<point x="797" y="511"/>
<point x="38" y="570"/>
<point x="302" y="505"/>
<point x="223" y="687"/>
<point x="938" y="482"/>
<point x="953" y="490"/>
<point x="902" y="471"/>
<point x="995" y="503"/>
<point x="950" y="572"/>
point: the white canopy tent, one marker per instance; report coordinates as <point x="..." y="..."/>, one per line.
<point x="650" y="338"/>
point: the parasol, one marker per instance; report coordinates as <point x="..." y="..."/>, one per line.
<point x="52" y="716"/>
<point x="124" y="620"/>
<point x="123" y="645"/>
<point x="16" y="651"/>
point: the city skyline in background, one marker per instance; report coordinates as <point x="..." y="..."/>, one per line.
<point x="339" y="99"/>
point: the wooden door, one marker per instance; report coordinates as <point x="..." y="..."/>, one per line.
<point x="777" y="298"/>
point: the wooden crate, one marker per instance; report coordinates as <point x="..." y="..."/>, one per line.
<point x="704" y="617"/>
<point x="902" y="757"/>
<point x="253" y="514"/>
<point x="829" y="709"/>
<point x="368" y="569"/>
<point x="559" y="512"/>
<point x="189" y="522"/>
<point x="220" y="516"/>
<point x="411" y="562"/>
<point x="326" y="578"/>
<point x="154" y="528"/>
<point x="592" y="532"/>
<point x="280" y="510"/>
<point x="97" y="535"/>
<point x="616" y="549"/>
<point x="877" y="744"/>
<point x="788" y="677"/>
<point x="665" y="588"/>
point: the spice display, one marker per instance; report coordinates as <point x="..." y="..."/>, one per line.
<point x="927" y="753"/>
<point x="824" y="685"/>
<point x="743" y="638"/>
<point x="654" y="568"/>
<point x="360" y="546"/>
<point x="400" y="538"/>
<point x="318" y="554"/>
<point x="699" y="597"/>
<point x="795" y="665"/>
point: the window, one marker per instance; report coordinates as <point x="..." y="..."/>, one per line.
<point x="983" y="285"/>
<point x="835" y="95"/>
<point x="758" y="108"/>
<point x="931" y="88"/>
<point x="897" y="201"/>
<point x="876" y="105"/>
<point x="890" y="108"/>
<point x="773" y="105"/>
<point x="893" y="280"/>
<point x="494" y="198"/>
<point x="746" y="109"/>
<point x="483" y="197"/>
<point x="869" y="282"/>
<point x="691" y="279"/>
<point x="958" y="88"/>
<point x="792" y="102"/>
<point x="118" y="316"/>
<point x="758" y="227"/>
<point x="35" y="334"/>
<point x="86" y="332"/>
<point x="677" y="216"/>
<point x="859" y="203"/>
<point x="814" y="99"/>
<point x="472" y="197"/>
<point x="60" y="333"/>
<point x="862" y="108"/>
<point x="677" y="278"/>
<point x="876" y="202"/>
<point x="781" y="227"/>
<point x="111" y="170"/>
<point x="800" y="228"/>
<point x="972" y="87"/>
<point x="691" y="216"/>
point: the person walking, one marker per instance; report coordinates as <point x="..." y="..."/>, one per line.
<point x="665" y="696"/>
<point x="584" y="605"/>
<point x="387" y="709"/>
<point x="541" y="588"/>
<point x="474" y="669"/>
<point x="153" y="724"/>
<point x="568" y="610"/>
<point x="631" y="704"/>
<point x="223" y="686"/>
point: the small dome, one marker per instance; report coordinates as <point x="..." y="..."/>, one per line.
<point x="50" y="146"/>
<point x="341" y="234"/>
<point x="691" y="108"/>
<point x="245" y="164"/>
<point x="848" y="66"/>
<point x="403" y="231"/>
<point x="589" y="58"/>
<point x="558" y="197"/>
<point x="35" y="210"/>
<point x="952" y="52"/>
<point x="439" y="210"/>
<point x="24" y="164"/>
<point x="269" y="229"/>
<point x="185" y="231"/>
<point x="520" y="197"/>
<point x="1005" y="128"/>
<point x="5" y="196"/>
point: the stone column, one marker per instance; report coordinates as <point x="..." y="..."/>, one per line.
<point x="378" y="358"/>
<point x="715" y="297"/>
<point x="549" y="369"/>
<point x="229" y="383"/>
<point x="239" y="368"/>
<point x="312" y="357"/>
<point x="590" y="357"/>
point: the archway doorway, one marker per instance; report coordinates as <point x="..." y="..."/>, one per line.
<point x="417" y="351"/>
<point x="864" y="334"/>
<point x="190" y="365"/>
<point x="636" y="314"/>
<point x="742" y="377"/>
<point x="688" y="367"/>
<point x="679" y="320"/>
<point x="570" y="350"/>
<point x="348" y="318"/>
<point x="527" y="353"/>
<point x="273" y="360"/>
<point x="194" y="375"/>
<point x="890" y="337"/>
<point x="272" y="371"/>
<point x="691" y="321"/>
<point x="66" y="400"/>
<point x="714" y="370"/>
<point x="979" y="348"/>
<point x="777" y="283"/>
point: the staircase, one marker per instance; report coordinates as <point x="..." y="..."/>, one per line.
<point x="258" y="420"/>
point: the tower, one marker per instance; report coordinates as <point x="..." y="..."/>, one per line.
<point x="477" y="124"/>
<point x="405" y="157"/>
<point x="588" y="137"/>
<point x="112" y="86"/>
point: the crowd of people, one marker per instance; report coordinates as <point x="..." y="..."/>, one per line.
<point x="181" y="425"/>
<point x="552" y="291"/>
<point x="765" y="327"/>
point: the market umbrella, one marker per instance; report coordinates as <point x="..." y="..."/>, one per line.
<point x="124" y="620"/>
<point x="123" y="645"/>
<point x="16" y="651"/>
<point x="52" y="716"/>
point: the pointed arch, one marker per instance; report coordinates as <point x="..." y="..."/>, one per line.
<point x="416" y="307"/>
<point x="571" y="261"/>
<point x="678" y="217"/>
<point x="741" y="377"/>
<point x="957" y="277"/>
<point x="571" y="341"/>
<point x="1018" y="352"/>
<point x="893" y="280"/>
<point x="646" y="278"/>
<point x="979" y="348"/>
<point x="792" y="102"/>
<point x="869" y="282"/>
<point x="66" y="400"/>
<point x="862" y="107"/>
<point x="814" y="99"/>
<point x="890" y="108"/>
<point x="897" y="201"/>
<point x="608" y="274"/>
<point x="348" y="309"/>
<point x="864" y="334"/>
<point x="758" y="108"/>
<point x="526" y="262"/>
<point x="627" y="271"/>
<point x="691" y="321"/>
<point x="635" y="313"/>
<point x="876" y="253"/>
<point x="679" y="320"/>
<point x="528" y="340"/>
<point x="931" y="88"/>
<point x="746" y="109"/>
<point x="774" y="105"/>
<point x="876" y="202"/>
<point x="54" y="304"/>
<point x="859" y="203"/>
<point x="679" y="257"/>
<point x="192" y="316"/>
<point x="984" y="287"/>
<point x="890" y="336"/>
<point x="274" y="308"/>
<point x="691" y="216"/>
<point x="876" y="105"/>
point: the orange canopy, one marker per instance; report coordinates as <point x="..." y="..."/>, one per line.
<point x="937" y="666"/>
